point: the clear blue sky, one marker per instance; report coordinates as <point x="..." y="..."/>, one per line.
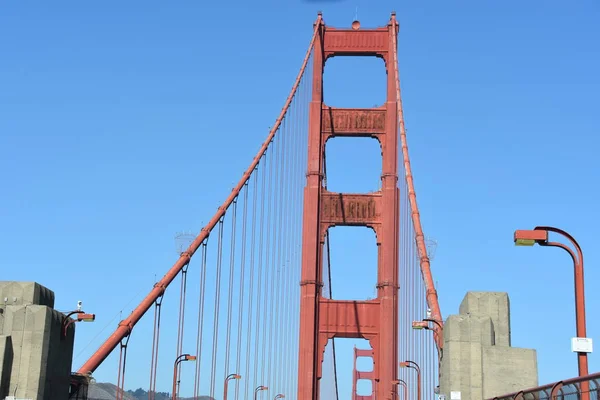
<point x="121" y="124"/>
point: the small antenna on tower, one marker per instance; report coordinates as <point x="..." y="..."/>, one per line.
<point x="356" y="23"/>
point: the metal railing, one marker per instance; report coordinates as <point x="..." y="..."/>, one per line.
<point x="568" y="389"/>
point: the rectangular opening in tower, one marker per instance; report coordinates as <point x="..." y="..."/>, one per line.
<point x="354" y="82"/>
<point x="350" y="263"/>
<point x="341" y="365"/>
<point x="353" y="164"/>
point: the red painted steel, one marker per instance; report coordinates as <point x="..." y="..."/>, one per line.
<point x="125" y="326"/>
<point x="540" y="235"/>
<point x="362" y="375"/>
<point x="424" y="262"/>
<point x="322" y="319"/>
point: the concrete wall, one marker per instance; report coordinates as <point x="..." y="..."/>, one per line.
<point x="35" y="361"/>
<point x="478" y="360"/>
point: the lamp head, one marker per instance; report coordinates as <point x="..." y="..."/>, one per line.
<point x="189" y="357"/>
<point x="420" y="325"/>
<point x="404" y="364"/>
<point x="530" y="237"/>
<point x="86" y="317"/>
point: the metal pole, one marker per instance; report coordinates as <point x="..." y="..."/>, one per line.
<point x="580" y="322"/>
<point x="177" y="360"/>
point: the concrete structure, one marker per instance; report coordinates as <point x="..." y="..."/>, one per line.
<point x="35" y="360"/>
<point x="478" y="360"/>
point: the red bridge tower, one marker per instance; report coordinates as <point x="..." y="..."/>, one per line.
<point x="322" y="319"/>
<point x="362" y="375"/>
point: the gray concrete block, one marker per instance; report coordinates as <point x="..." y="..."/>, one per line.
<point x="478" y="360"/>
<point x="490" y="304"/>
<point x="469" y="328"/>
<point x="6" y="359"/>
<point x="508" y="370"/>
<point x="461" y="369"/>
<point x="25" y="293"/>
<point x="42" y="359"/>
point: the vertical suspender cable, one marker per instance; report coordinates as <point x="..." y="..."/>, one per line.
<point x="155" y="347"/>
<point x="181" y="321"/>
<point x="197" y="375"/>
<point x="250" y="382"/>
<point x="266" y="326"/>
<point x="122" y="367"/>
<point x="277" y="263"/>
<point x="230" y="289"/>
<point x="241" y="293"/>
<point x="215" y="344"/>
<point x="273" y="329"/>
<point x="259" y="321"/>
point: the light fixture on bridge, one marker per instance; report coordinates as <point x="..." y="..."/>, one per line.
<point x="424" y="324"/>
<point x="420" y="325"/>
<point x="530" y="237"/>
<point x="416" y="367"/>
<point x="258" y="389"/>
<point x="404" y="385"/>
<point x="86" y="317"/>
<point x="539" y="235"/>
<point x="179" y="359"/>
<point x="80" y="317"/>
<point x="229" y="378"/>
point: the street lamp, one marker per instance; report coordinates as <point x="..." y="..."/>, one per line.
<point x="183" y="357"/>
<point x="415" y="366"/>
<point x="539" y="235"/>
<point x="258" y="389"/>
<point x="81" y="317"/>
<point x="424" y="324"/>
<point x="403" y="383"/>
<point x="230" y="377"/>
<point x="279" y="396"/>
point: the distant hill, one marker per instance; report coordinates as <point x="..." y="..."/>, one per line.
<point x="108" y="391"/>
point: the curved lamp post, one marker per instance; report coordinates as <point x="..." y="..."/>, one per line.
<point x="258" y="389"/>
<point x="279" y="396"/>
<point x="415" y="366"/>
<point x="80" y="317"/>
<point x="403" y="383"/>
<point x="424" y="324"/>
<point x="539" y="235"/>
<point x="230" y="377"/>
<point x="183" y="357"/>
